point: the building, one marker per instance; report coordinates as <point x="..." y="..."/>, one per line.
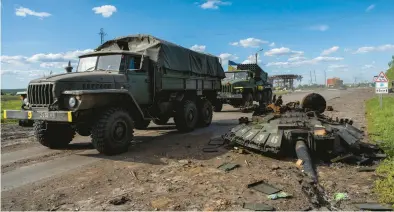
<point x="334" y="82"/>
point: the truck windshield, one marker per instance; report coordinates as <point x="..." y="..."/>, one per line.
<point x="105" y="62"/>
<point x="236" y="75"/>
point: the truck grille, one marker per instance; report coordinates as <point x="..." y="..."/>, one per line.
<point x="227" y="88"/>
<point x="40" y="95"/>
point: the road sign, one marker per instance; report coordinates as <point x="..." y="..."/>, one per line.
<point x="381" y="90"/>
<point x="381" y="84"/>
<point x="375" y="78"/>
<point x="382" y="77"/>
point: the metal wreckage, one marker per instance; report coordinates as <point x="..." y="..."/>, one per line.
<point x="302" y="130"/>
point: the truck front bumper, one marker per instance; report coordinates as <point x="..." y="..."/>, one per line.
<point x="57" y="116"/>
<point x="224" y="95"/>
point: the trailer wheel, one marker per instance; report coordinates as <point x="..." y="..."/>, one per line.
<point x="53" y="135"/>
<point x="113" y="131"/>
<point x="205" y="113"/>
<point x="186" y="116"/>
<point x="141" y="125"/>
<point x="218" y="106"/>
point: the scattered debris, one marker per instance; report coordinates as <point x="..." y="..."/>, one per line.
<point x="258" y="207"/>
<point x="279" y="195"/>
<point x="184" y="161"/>
<point x="340" y="196"/>
<point x="228" y="166"/>
<point x="216" y="141"/>
<point x="263" y="187"/>
<point x="119" y="200"/>
<point x="247" y="163"/>
<point x="299" y="163"/>
<point x="210" y="149"/>
<point x="373" y="207"/>
<point x="340" y="158"/>
<point x="367" y="169"/>
<point x="275" y="167"/>
<point x="330" y="108"/>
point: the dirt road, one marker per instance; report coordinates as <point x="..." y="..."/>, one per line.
<point x="162" y="167"/>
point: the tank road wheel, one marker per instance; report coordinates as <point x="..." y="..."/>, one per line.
<point x="186" y="116"/>
<point x="112" y="133"/>
<point x="53" y="135"/>
<point x="161" y="121"/>
<point x="141" y="125"/>
<point x="218" y="106"/>
<point x="205" y="113"/>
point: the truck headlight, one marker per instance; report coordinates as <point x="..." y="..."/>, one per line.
<point x="72" y="102"/>
<point x="25" y="101"/>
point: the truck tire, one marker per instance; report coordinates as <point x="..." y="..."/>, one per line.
<point x="112" y="132"/>
<point x="205" y="113"/>
<point x="269" y="96"/>
<point x="141" y="125"/>
<point x="53" y="135"/>
<point x="218" y="106"/>
<point x="161" y="121"/>
<point x="186" y="116"/>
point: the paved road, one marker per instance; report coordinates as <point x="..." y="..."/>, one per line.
<point x="39" y="163"/>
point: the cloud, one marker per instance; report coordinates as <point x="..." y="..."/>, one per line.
<point x="330" y="50"/>
<point x="14" y="60"/>
<point x="347" y="50"/>
<point x="369" y="66"/>
<point x="338" y="66"/>
<point x="57" y="65"/>
<point x="105" y="10"/>
<point x="57" y="57"/>
<point x="302" y="61"/>
<point x="367" y="49"/>
<point x="198" y="48"/>
<point x="214" y="4"/>
<point x="249" y="43"/>
<point x="321" y="27"/>
<point x="371" y="7"/>
<point x="25" y="75"/>
<point x="23" y="12"/>
<point x="252" y="59"/>
<point x="228" y="56"/>
<point x="296" y="58"/>
<point x="272" y="44"/>
<point x="282" y="51"/>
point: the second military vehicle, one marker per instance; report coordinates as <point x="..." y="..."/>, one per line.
<point x="124" y="84"/>
<point x="244" y="85"/>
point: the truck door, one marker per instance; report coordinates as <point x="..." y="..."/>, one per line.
<point x="138" y="80"/>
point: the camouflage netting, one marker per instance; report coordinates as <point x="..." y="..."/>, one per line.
<point x="167" y="55"/>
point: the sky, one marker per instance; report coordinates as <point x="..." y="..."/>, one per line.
<point x="352" y="39"/>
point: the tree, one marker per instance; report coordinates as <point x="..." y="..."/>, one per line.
<point x="391" y="63"/>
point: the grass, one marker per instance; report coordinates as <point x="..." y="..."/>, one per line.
<point x="9" y="103"/>
<point x="381" y="128"/>
<point x="277" y="93"/>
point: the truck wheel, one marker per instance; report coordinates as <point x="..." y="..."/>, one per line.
<point x="269" y="96"/>
<point x="161" y="121"/>
<point x="53" y="135"/>
<point x="218" y="106"/>
<point x="112" y="133"/>
<point x="205" y="113"/>
<point x="141" y="125"/>
<point x="186" y="116"/>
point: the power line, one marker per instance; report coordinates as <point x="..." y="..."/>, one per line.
<point x="102" y="34"/>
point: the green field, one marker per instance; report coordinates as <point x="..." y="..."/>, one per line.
<point x="9" y="103"/>
<point x="381" y="128"/>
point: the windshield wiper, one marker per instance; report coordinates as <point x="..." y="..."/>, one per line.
<point x="90" y="68"/>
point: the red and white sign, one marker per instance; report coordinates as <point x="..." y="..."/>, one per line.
<point x="382" y="77"/>
<point x="375" y="78"/>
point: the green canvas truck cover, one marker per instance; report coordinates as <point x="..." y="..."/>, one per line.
<point x="167" y="55"/>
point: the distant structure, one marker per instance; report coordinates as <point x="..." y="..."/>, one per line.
<point x="334" y="82"/>
<point x="69" y="68"/>
<point x="285" y="80"/>
<point x="102" y="35"/>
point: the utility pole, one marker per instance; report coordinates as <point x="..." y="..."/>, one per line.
<point x="314" y="73"/>
<point x="257" y="55"/>
<point x="310" y="75"/>
<point x="325" y="77"/>
<point x="102" y="34"/>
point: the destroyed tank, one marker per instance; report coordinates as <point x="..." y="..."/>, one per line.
<point x="300" y="129"/>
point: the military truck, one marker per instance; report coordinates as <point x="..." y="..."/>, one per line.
<point x="124" y="84"/>
<point x="244" y="85"/>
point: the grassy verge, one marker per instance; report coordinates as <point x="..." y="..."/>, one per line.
<point x="9" y="103"/>
<point x="277" y="93"/>
<point x="381" y="128"/>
